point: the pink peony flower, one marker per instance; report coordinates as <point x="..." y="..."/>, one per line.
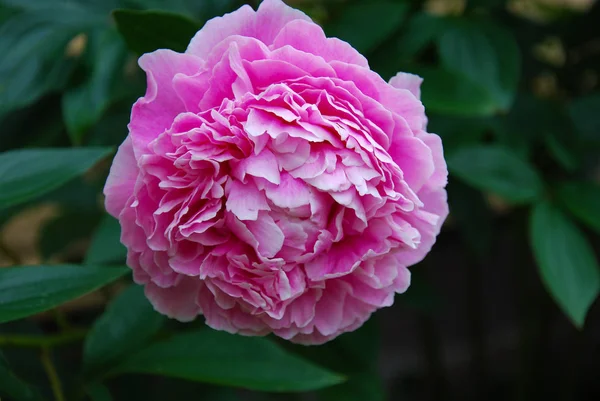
<point x="272" y="182"/>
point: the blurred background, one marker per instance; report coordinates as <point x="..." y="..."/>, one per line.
<point x="504" y="307"/>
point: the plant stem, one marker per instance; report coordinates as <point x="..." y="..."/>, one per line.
<point x="42" y="341"/>
<point x="52" y="375"/>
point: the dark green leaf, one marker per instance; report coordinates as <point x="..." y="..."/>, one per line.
<point x="582" y="199"/>
<point x="126" y="325"/>
<point x="220" y="358"/>
<point x="354" y="354"/>
<point x="561" y="152"/>
<point x="13" y="387"/>
<point x="366" y="24"/>
<point x="421" y="30"/>
<point x="33" y="44"/>
<point x="146" y="31"/>
<point x="584" y="113"/>
<point x="84" y="105"/>
<point x="565" y="260"/>
<point x="498" y="170"/>
<point x="451" y="93"/>
<point x="98" y="392"/>
<point x="106" y="246"/>
<point x="458" y="132"/>
<point x="484" y="53"/>
<point x="27" y="290"/>
<point x="26" y="174"/>
<point x="360" y="387"/>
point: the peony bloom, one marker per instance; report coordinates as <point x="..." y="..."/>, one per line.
<point x="272" y="182"/>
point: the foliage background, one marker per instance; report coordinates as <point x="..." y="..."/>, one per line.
<point x="503" y="307"/>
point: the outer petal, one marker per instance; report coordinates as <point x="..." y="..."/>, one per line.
<point x="272" y="16"/>
<point x="240" y="22"/>
<point x="154" y="113"/>
<point x="177" y="302"/>
<point x="264" y="24"/>
<point x="428" y="221"/>
<point x="121" y="179"/>
<point x="411" y="82"/>
<point x="310" y="38"/>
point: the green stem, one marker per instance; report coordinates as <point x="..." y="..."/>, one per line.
<point x="52" y="375"/>
<point x="42" y="341"/>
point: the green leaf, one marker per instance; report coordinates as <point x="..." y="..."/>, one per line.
<point x="84" y="105"/>
<point x="354" y="354"/>
<point x="98" y="392"/>
<point x="584" y="113"/>
<point x="565" y="260"/>
<point x="448" y="92"/>
<point x="127" y="324"/>
<point x="366" y="24"/>
<point x="146" y="31"/>
<point x="27" y="290"/>
<point x="13" y="387"/>
<point x="217" y="357"/>
<point x="498" y="170"/>
<point x="457" y="132"/>
<point x="486" y="54"/>
<point x="582" y="199"/>
<point x="33" y="46"/>
<point x="106" y="246"/>
<point x="29" y="173"/>
<point x="421" y="30"/>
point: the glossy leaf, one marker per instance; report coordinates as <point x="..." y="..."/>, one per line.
<point x="582" y="199"/>
<point x="27" y="290"/>
<point x="498" y="170"/>
<point x="29" y="173"/>
<point x="106" y="246"/>
<point x="484" y="53"/>
<point x="146" y="31"/>
<point x="127" y="324"/>
<point x="566" y="261"/>
<point x="217" y="357"/>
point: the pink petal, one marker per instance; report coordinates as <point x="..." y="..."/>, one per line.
<point x="154" y="113"/>
<point x="245" y="200"/>
<point x="121" y="179"/>
<point x="411" y="82"/>
<point x="310" y="38"/>
<point x="178" y="302"/>
<point x="240" y="22"/>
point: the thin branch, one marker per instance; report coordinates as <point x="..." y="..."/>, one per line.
<point x="52" y="375"/>
<point x="42" y="341"/>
